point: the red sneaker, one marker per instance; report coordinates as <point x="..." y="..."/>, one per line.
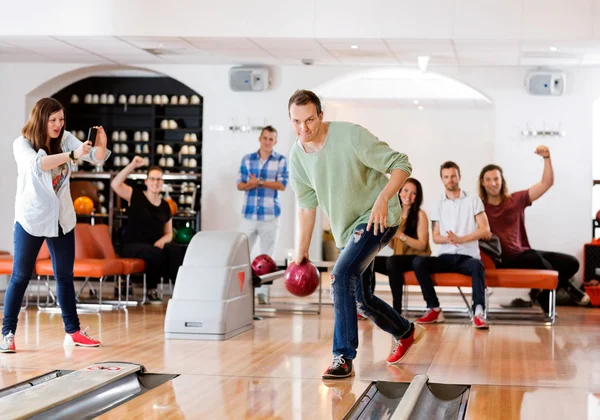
<point x="402" y="346"/>
<point x="7" y="345"/>
<point x="431" y="317"/>
<point x="480" y="323"/>
<point x="80" y="338"/>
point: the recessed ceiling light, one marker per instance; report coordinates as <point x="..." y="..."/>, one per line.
<point x="553" y="49"/>
<point x="416" y="102"/>
<point x="420" y="108"/>
<point x="423" y="61"/>
<point x="354" y="47"/>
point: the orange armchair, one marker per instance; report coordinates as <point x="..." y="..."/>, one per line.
<point x="100" y="235"/>
<point x="89" y="261"/>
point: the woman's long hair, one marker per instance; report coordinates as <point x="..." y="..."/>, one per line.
<point x="36" y="129"/>
<point x="412" y="221"/>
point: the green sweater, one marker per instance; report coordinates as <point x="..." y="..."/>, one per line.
<point x="345" y="177"/>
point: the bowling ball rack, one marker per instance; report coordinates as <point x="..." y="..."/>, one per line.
<point x="298" y="305"/>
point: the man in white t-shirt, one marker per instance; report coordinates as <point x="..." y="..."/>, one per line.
<point x="458" y="222"/>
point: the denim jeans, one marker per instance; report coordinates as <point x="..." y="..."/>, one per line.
<point x="351" y="286"/>
<point x="450" y="263"/>
<point x="62" y="252"/>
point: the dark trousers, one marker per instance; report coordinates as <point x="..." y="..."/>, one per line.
<point x="450" y="263"/>
<point x="62" y="253"/>
<point x="159" y="262"/>
<point x="565" y="264"/>
<point x="394" y="267"/>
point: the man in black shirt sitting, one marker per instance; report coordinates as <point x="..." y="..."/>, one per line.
<point x="149" y="230"/>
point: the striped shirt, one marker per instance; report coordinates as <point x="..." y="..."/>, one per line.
<point x="263" y="203"/>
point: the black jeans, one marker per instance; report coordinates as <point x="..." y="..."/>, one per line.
<point x="565" y="264"/>
<point x="159" y="262"/>
<point x="450" y="263"/>
<point x="394" y="267"/>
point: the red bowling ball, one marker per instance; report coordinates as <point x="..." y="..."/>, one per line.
<point x="302" y="280"/>
<point x="263" y="264"/>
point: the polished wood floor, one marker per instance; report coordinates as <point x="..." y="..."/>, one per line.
<point x="273" y="371"/>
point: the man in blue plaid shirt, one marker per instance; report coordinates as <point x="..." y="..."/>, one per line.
<point x="262" y="175"/>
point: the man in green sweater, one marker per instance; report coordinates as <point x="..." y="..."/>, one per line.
<point x="341" y="167"/>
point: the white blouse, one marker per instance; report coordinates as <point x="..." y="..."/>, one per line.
<point x="38" y="208"/>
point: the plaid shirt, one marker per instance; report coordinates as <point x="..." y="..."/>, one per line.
<point x="263" y="203"/>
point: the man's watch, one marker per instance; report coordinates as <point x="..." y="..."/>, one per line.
<point x="260" y="183"/>
<point x="403" y="238"/>
<point x="72" y="155"/>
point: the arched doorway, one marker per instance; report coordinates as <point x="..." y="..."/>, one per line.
<point x="430" y="117"/>
<point x="147" y="114"/>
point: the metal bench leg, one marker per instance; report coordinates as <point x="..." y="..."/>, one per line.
<point x="552" y="305"/>
<point x="85" y="283"/>
<point x="118" y="278"/>
<point x="100" y="295"/>
<point x="405" y="299"/>
<point x="487" y="302"/>
<point x="466" y="302"/>
<point x="145" y="291"/>
<point x="50" y="299"/>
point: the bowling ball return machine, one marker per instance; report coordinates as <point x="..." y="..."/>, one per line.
<point x="213" y="297"/>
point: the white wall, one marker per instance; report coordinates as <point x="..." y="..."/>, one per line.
<point x="22" y="84"/>
<point x="596" y="160"/>
<point x="560" y="221"/>
<point x="431" y="137"/>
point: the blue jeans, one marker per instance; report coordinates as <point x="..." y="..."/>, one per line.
<point x="351" y="286"/>
<point x="450" y="263"/>
<point x="62" y="252"/>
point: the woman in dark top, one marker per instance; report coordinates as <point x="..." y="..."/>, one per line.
<point x="411" y="240"/>
<point x="149" y="229"/>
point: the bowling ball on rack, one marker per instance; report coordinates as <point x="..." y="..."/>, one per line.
<point x="302" y="279"/>
<point x="263" y="264"/>
<point x="172" y="205"/>
<point x="184" y="235"/>
<point x="83" y="205"/>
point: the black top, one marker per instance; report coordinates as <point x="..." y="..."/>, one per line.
<point x="145" y="221"/>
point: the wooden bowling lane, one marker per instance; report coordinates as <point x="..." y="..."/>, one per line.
<point x="519" y="356"/>
<point x="204" y="397"/>
<point x="12" y="376"/>
<point x="286" y="346"/>
<point x="294" y="346"/>
<point x="532" y="403"/>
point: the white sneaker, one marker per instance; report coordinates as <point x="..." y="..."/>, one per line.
<point x="585" y="300"/>
<point x="8" y="344"/>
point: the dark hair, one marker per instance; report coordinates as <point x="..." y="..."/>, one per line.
<point x="482" y="192"/>
<point x="412" y="220"/>
<point x="155" y="168"/>
<point x="448" y="165"/>
<point x="305" y="97"/>
<point x="270" y="129"/>
<point x="36" y="129"/>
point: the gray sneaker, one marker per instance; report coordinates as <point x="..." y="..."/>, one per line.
<point x="8" y="344"/>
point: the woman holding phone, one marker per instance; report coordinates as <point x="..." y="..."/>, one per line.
<point x="44" y="154"/>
